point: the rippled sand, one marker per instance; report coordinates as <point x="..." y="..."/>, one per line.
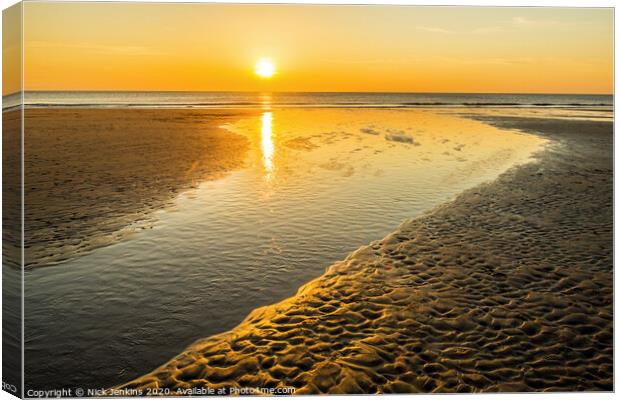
<point x="507" y="288"/>
<point x="105" y="170"/>
<point x="315" y="185"/>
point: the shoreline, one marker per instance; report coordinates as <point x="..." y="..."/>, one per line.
<point x="306" y="196"/>
<point x="141" y="170"/>
<point x="413" y="330"/>
<point x="505" y="288"/>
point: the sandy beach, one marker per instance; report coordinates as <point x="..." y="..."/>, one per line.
<point x="79" y="199"/>
<point x="197" y="217"/>
<point x="11" y="245"/>
<point x="507" y="288"/>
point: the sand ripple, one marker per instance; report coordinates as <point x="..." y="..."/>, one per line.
<point x="94" y="176"/>
<point x="508" y="288"/>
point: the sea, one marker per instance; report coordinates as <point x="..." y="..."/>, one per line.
<point x="293" y="99"/>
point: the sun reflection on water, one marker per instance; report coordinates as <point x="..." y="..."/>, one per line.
<point x="265" y="101"/>
<point x="267" y="146"/>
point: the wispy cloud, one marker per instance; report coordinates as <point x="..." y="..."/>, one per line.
<point x="445" y="60"/>
<point x="522" y="21"/>
<point x="96" y="48"/>
<point x="512" y="24"/>
<point x="489" y="61"/>
<point x="487" y="29"/>
<point x="435" y="29"/>
<point x="370" y="61"/>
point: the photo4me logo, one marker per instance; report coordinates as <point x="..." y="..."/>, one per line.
<point x="8" y="387"/>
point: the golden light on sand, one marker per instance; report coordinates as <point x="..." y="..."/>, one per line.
<point x="267" y="146"/>
<point x="265" y="68"/>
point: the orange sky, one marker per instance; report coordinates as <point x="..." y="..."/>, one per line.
<point x="138" y="46"/>
<point x="11" y="50"/>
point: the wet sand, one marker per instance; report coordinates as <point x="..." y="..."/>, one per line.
<point x="506" y="288"/>
<point x="105" y="171"/>
<point x="314" y="187"/>
<point x="11" y="249"/>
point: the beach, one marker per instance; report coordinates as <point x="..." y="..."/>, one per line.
<point x="94" y="176"/>
<point x="506" y="288"/>
<point x="149" y="228"/>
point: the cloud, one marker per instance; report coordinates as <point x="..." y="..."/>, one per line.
<point x="370" y="61"/>
<point x="489" y="61"/>
<point x="96" y="48"/>
<point x="522" y="21"/>
<point x="435" y="29"/>
<point x="487" y="29"/>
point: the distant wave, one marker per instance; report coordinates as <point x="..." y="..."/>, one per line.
<point x="40" y="99"/>
<point x="299" y="105"/>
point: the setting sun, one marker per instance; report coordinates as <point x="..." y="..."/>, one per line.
<point x="265" y="68"/>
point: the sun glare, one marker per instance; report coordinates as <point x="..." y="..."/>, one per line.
<point x="265" y="68"/>
<point x="267" y="145"/>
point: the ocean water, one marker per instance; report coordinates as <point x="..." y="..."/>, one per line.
<point x="320" y="180"/>
<point x="291" y="99"/>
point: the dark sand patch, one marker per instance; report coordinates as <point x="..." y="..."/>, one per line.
<point x="11" y="186"/>
<point x="92" y="173"/>
<point x="300" y="143"/>
<point x="400" y="136"/>
<point x="12" y="312"/>
<point x="507" y="288"/>
<point x="370" y="131"/>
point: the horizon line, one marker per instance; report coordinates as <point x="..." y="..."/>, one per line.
<point x="293" y="91"/>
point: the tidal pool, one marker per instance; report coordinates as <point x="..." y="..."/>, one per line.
<point x="315" y="185"/>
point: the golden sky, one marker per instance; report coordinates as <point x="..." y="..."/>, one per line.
<point x="11" y="50"/>
<point x="121" y="46"/>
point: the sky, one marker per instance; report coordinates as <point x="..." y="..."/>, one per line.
<point x="139" y="46"/>
<point x="11" y="50"/>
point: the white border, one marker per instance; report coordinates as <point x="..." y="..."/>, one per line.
<point x="508" y="3"/>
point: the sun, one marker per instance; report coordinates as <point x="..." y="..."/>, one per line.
<point x="265" y="68"/>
